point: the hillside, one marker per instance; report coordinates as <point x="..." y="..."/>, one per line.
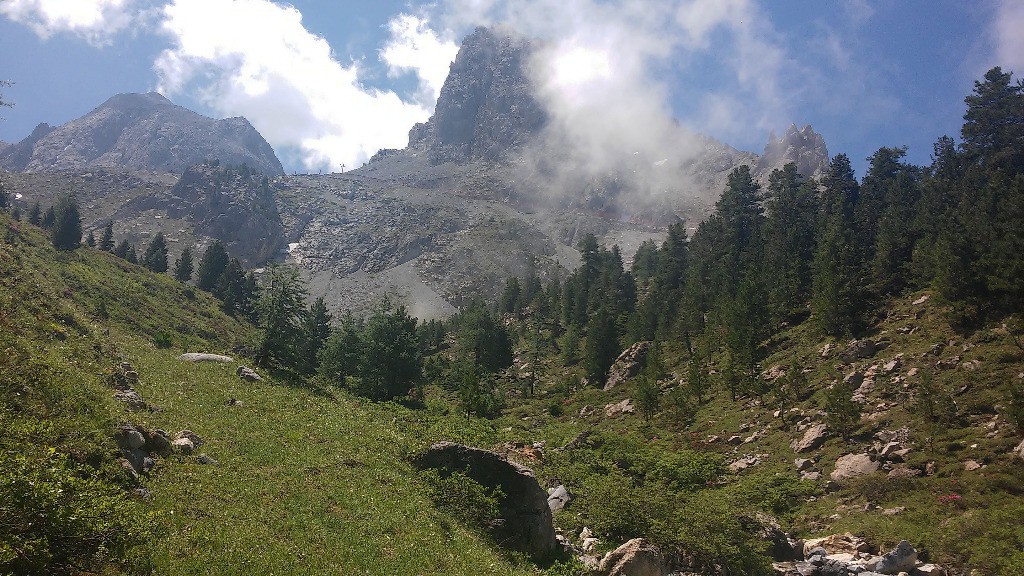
<point x="317" y="478"/>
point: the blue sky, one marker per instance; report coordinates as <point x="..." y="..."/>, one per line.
<point x="328" y="83"/>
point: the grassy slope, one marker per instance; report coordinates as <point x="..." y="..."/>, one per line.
<point x="982" y="530"/>
<point x="306" y="482"/>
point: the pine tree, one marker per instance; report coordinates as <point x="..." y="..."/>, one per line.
<point x="316" y="328"/>
<point x="50" y="219"/>
<point x="281" y="313"/>
<point x="183" y="266"/>
<point x="341" y="354"/>
<point x="90" y="240"/>
<point x="107" y="239"/>
<point x="132" y="256"/>
<point x="66" y="226"/>
<point x="842" y="413"/>
<point x="5" y="201"/>
<point x="601" y="347"/>
<point x="35" y="214"/>
<point x="390" y="365"/>
<point x="121" y="250"/>
<point x="483" y="339"/>
<point x="211" y="266"/>
<point x="155" y="257"/>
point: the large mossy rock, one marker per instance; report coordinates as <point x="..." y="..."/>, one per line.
<point x="526" y="518"/>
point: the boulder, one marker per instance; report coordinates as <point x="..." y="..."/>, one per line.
<point x="803" y="464"/>
<point x="558" y="497"/>
<point x="204" y="459"/>
<point x="971" y="465"/>
<point x="858" y="349"/>
<point x="780" y="545"/>
<point x="618" y="408"/>
<point x="637" y="557"/>
<point x="203" y="357"/>
<point x="132" y="398"/>
<point x="248" y="374"/>
<point x="1019" y="450"/>
<point x="192" y="436"/>
<point x="526" y="516"/>
<point x="835" y="544"/>
<point x="901" y="559"/>
<point x="159" y="442"/>
<point x="813" y="438"/>
<point x="184" y="445"/>
<point x="627" y="365"/>
<point x="853" y="465"/>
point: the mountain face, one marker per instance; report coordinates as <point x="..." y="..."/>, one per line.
<point x="141" y="132"/>
<point x="486" y="106"/>
<point x="480" y="194"/>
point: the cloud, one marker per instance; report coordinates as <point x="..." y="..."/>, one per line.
<point x="415" y="48"/>
<point x="1007" y="26"/>
<point x="97" y="21"/>
<point x="255" y="58"/>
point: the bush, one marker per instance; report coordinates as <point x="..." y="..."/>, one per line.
<point x="59" y="519"/>
<point x="163" y="340"/>
<point x="463" y="498"/>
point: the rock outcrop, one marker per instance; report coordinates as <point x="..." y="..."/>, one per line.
<point x="525" y="523"/>
<point x="801" y="146"/>
<point x="486" y="106"/>
<point x="637" y="557"/>
<point x="141" y="132"/>
<point x="627" y="365"/>
<point x="853" y="465"/>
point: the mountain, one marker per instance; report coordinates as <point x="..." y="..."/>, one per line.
<point x="141" y="132"/>
<point x="483" y="191"/>
<point x="486" y="106"/>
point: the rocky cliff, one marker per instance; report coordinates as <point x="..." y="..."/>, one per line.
<point x="141" y="132"/>
<point x="486" y="106"/>
<point x="801" y="146"/>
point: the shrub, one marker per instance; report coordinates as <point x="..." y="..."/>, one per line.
<point x="163" y="340"/>
<point x="463" y="498"/>
<point x="58" y="518"/>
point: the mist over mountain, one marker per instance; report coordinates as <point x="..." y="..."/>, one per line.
<point x="141" y="132"/>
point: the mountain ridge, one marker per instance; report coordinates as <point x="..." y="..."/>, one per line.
<point x="142" y="132"/>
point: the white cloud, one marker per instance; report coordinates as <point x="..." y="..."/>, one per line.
<point x="1007" y="26"/>
<point x="95" y="20"/>
<point x="414" y="47"/>
<point x="255" y="58"/>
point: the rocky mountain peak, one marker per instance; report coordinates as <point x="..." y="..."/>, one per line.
<point x="141" y="131"/>
<point x="486" y="105"/>
<point x="802" y="146"/>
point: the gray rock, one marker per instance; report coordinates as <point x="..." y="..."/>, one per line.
<point x="853" y="465"/>
<point x="159" y="442"/>
<point x="803" y="464"/>
<point x="526" y="525"/>
<point x="132" y="398"/>
<point x="901" y="559"/>
<point x="204" y="459"/>
<point x="634" y="558"/>
<point x="812" y="439"/>
<point x="192" y="436"/>
<point x="858" y="350"/>
<point x="558" y="498"/>
<point x="627" y="365"/>
<point x="134" y="439"/>
<point x="203" y="357"/>
<point x="184" y="445"/>
<point x="248" y="374"/>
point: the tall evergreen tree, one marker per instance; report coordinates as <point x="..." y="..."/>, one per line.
<point x="5" y="201"/>
<point x="183" y="266"/>
<point x="993" y="130"/>
<point x="121" y="250"/>
<point x="281" y="312"/>
<point x="155" y="257"/>
<point x="132" y="256"/>
<point x="49" y="218"/>
<point x="107" y="239"/>
<point x="35" y="214"/>
<point x="211" y="266"/>
<point x="789" y="241"/>
<point x="601" y="347"/>
<point x="391" y="364"/>
<point x="90" y="240"/>
<point x="316" y="328"/>
<point x="340" y="356"/>
<point x="66" y="228"/>
<point x="483" y="338"/>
